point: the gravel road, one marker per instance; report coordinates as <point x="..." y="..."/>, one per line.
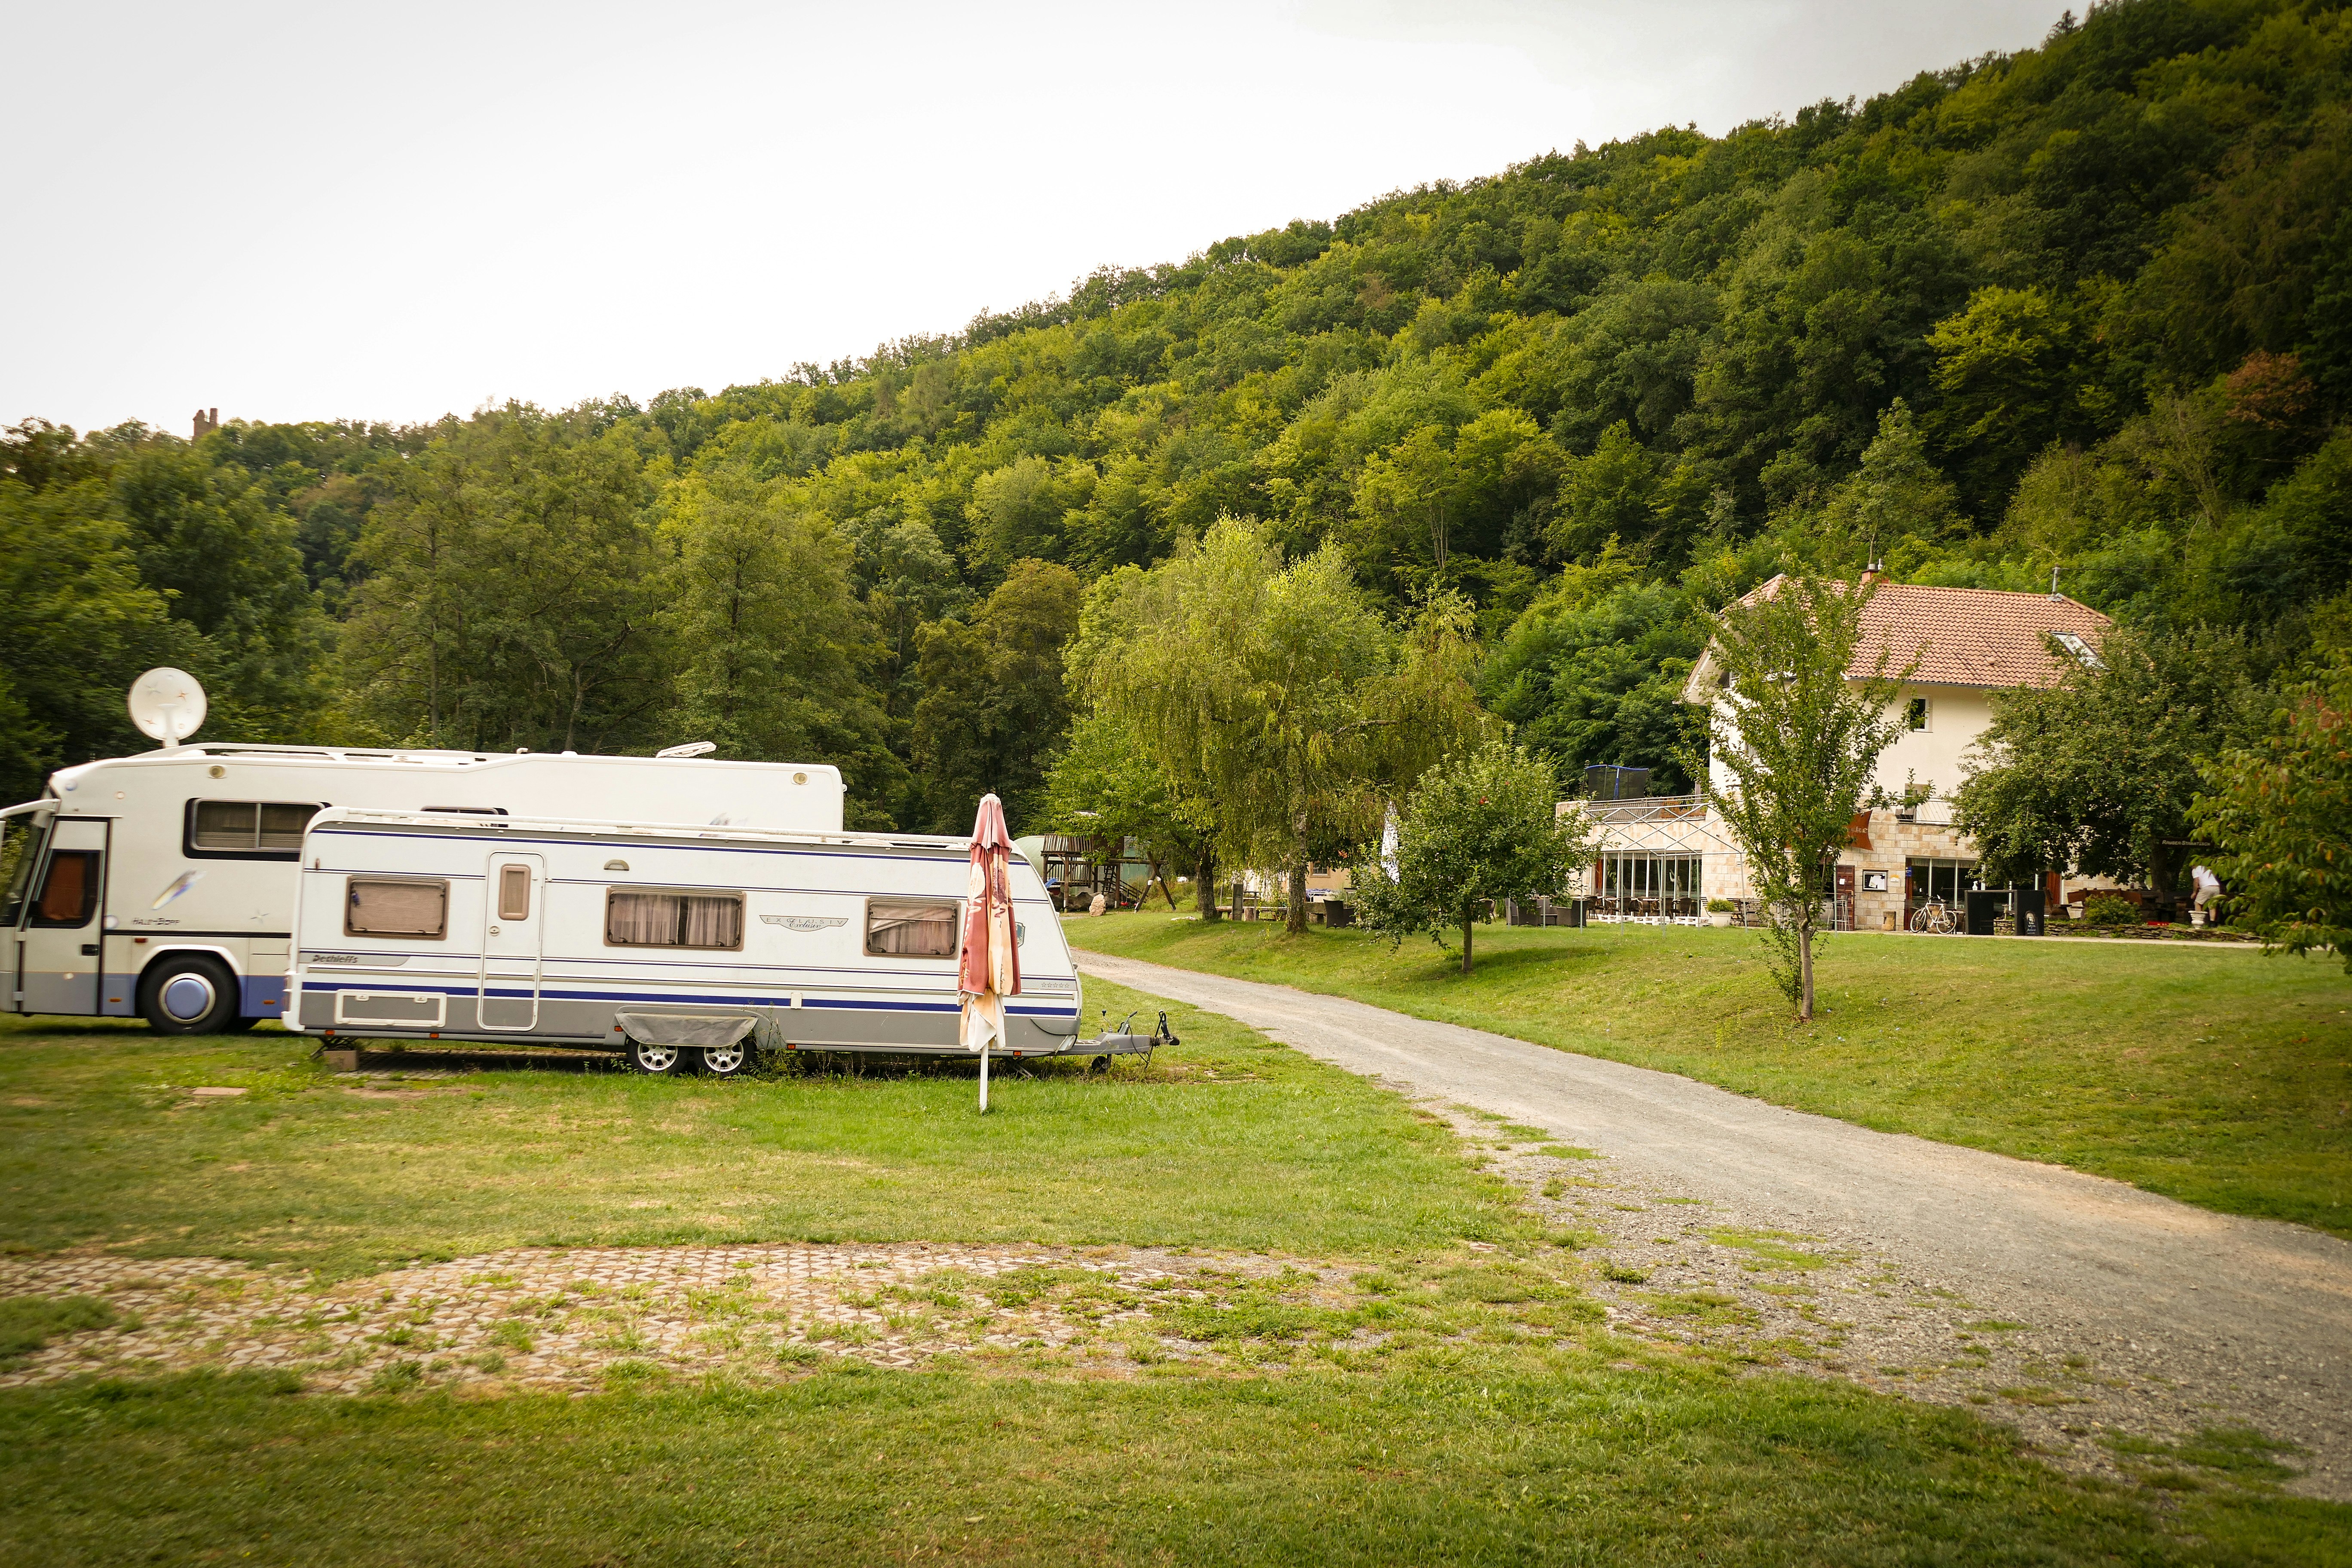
<point x="2184" y="1317"/>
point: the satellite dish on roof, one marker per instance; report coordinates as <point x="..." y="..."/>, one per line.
<point x="167" y="705"/>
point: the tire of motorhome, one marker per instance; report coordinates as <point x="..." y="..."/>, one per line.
<point x="189" y="994"/>
<point x="643" y="1057"/>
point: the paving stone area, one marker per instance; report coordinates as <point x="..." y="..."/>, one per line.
<point x="1671" y="1266"/>
<point x="572" y="1320"/>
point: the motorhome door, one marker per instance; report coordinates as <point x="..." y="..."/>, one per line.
<point x="513" y="895"/>
<point x="59" y="940"/>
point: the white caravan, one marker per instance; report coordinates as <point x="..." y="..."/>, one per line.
<point x="162" y="885"/>
<point x="669" y="943"/>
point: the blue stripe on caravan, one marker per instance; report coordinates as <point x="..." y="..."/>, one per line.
<point x="784" y="1002"/>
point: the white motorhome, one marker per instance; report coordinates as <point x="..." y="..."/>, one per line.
<point x="669" y="943"/>
<point x="162" y="885"/>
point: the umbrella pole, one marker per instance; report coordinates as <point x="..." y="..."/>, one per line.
<point x="983" y="1080"/>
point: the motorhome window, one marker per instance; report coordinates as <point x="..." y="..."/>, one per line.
<point x="69" y="894"/>
<point x="24" y="845"/>
<point x="637" y="919"/>
<point x="384" y="906"/>
<point x="249" y="827"/>
<point x="514" y="894"/>
<point x="896" y="930"/>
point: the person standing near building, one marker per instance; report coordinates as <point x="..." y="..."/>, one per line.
<point x="2207" y="890"/>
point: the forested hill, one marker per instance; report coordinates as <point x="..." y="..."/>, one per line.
<point x="2087" y="306"/>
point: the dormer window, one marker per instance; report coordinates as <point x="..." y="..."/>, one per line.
<point x="2080" y="649"/>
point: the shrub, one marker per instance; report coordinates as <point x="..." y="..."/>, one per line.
<point x="2109" y="909"/>
<point x="1720" y="906"/>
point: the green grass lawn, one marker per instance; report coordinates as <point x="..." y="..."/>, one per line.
<point x="2213" y="1075"/>
<point x="1480" y="1443"/>
<point x="1231" y="1142"/>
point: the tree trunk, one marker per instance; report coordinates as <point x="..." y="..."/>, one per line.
<point x="1805" y="972"/>
<point x="1204" y="883"/>
<point x="1296" y="921"/>
<point x="1466" y="929"/>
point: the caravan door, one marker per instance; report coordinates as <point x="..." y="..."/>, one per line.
<point x="58" y="944"/>
<point x="513" y="894"/>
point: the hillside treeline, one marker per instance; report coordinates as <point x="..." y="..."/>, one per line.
<point x="2086" y="309"/>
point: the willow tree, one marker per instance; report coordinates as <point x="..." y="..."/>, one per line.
<point x="1278" y="696"/>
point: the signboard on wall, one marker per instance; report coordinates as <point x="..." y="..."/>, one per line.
<point x="1873" y="881"/>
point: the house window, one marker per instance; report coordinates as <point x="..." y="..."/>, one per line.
<point x="1639" y="886"/>
<point x="2080" y="649"/>
<point x="898" y="929"/>
<point x="247" y="826"/>
<point x="1915" y="713"/>
<point x="402" y="906"/>
<point x="635" y="918"/>
<point x="1936" y="882"/>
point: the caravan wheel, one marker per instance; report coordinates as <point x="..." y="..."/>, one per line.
<point x="653" y="1058"/>
<point x="725" y="1061"/>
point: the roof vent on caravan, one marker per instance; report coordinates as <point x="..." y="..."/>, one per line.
<point x="167" y="704"/>
<point x="691" y="749"/>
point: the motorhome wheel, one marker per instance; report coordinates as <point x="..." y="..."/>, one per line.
<point x="725" y="1061"/>
<point x="654" y="1059"/>
<point x="188" y="993"/>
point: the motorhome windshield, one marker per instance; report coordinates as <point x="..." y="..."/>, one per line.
<point x="20" y="855"/>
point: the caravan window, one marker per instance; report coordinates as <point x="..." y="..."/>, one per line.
<point x="69" y="895"/>
<point x="25" y="842"/>
<point x="514" y="894"/>
<point x="897" y="929"/>
<point x="247" y="826"/>
<point x="388" y="906"/>
<point x="635" y="918"/>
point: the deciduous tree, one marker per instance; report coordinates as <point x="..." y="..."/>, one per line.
<point x="1481" y="826"/>
<point x="2281" y="811"/>
<point x="1798" y="727"/>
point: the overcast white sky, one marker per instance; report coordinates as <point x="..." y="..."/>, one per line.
<point x="316" y="211"/>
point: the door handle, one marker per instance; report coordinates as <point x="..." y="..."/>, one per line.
<point x="89" y="950"/>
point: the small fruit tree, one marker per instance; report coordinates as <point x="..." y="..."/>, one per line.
<point x="1481" y="826"/>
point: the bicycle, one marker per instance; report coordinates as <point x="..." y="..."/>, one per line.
<point x="1934" y="918"/>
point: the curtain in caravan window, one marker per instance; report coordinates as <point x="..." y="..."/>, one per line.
<point x="225" y="825"/>
<point x="710" y="922"/>
<point x="282" y="826"/>
<point x="910" y="930"/>
<point x="674" y="920"/>
<point x="381" y="908"/>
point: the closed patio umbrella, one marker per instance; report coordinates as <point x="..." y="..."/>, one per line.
<point x="987" y="961"/>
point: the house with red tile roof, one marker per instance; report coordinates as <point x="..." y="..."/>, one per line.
<point x="1663" y="859"/>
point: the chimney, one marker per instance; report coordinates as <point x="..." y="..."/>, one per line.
<point x="2054" y="593"/>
